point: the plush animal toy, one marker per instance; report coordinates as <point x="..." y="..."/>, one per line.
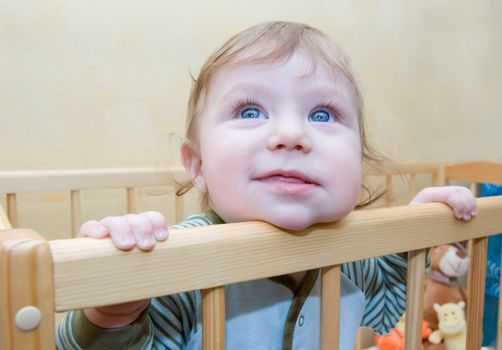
<point x="451" y="326"/>
<point x="448" y="262"/>
<point x="395" y="339"/>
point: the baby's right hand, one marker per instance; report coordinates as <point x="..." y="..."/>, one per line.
<point x="141" y="230"/>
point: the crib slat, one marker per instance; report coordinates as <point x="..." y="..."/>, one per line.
<point x="476" y="290"/>
<point x="12" y="208"/>
<point x="4" y="221"/>
<point x="131" y="199"/>
<point x="388" y="187"/>
<point x="179" y="208"/>
<point x="75" y="211"/>
<point x="26" y="280"/>
<point x="438" y="176"/>
<point x="413" y="181"/>
<point x="330" y="307"/>
<point x="357" y="345"/>
<point x="414" y="298"/>
<point x="213" y="318"/>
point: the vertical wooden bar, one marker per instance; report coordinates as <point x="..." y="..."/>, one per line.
<point x="476" y="288"/>
<point x="435" y="178"/>
<point x="75" y="211"/>
<point x="213" y="318"/>
<point x="26" y="282"/>
<point x="413" y="184"/>
<point x="414" y="299"/>
<point x="357" y="345"/>
<point x="388" y="187"/>
<point x="131" y="200"/>
<point x="4" y="221"/>
<point x="330" y="307"/>
<point x="499" y="322"/>
<point x="474" y="189"/>
<point x="441" y="176"/>
<point x="179" y="208"/>
<point x="12" y="208"/>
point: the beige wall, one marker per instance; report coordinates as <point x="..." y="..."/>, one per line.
<point x="87" y="83"/>
<point x="103" y="83"/>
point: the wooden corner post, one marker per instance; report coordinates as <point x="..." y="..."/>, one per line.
<point x="26" y="291"/>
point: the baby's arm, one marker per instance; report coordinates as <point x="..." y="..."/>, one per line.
<point x="126" y="232"/>
<point x="458" y="198"/>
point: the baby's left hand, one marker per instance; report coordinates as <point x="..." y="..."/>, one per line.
<point x="459" y="198"/>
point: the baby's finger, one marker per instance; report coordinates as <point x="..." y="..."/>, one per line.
<point x="142" y="231"/>
<point x="458" y="204"/>
<point x="93" y="229"/>
<point x="120" y="232"/>
<point x="158" y="223"/>
<point x="463" y="203"/>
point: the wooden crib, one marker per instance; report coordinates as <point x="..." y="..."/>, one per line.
<point x="40" y="275"/>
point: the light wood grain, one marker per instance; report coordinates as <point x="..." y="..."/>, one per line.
<point x="12" y="208"/>
<point x="67" y="180"/>
<point x="476" y="289"/>
<point x="213" y="318"/>
<point x="330" y="307"/>
<point x="75" y="209"/>
<point x="478" y="171"/>
<point x="413" y="184"/>
<point x="131" y="199"/>
<point x="26" y="280"/>
<point x="4" y="221"/>
<point x="87" y="271"/>
<point x="414" y="298"/>
<point x="413" y="168"/>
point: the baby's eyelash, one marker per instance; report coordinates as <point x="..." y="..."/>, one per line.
<point x="332" y="108"/>
<point x="247" y="102"/>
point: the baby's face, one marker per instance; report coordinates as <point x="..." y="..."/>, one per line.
<point x="279" y="142"/>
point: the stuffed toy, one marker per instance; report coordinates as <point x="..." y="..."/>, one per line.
<point x="451" y="326"/>
<point x="394" y="340"/>
<point x="448" y="262"/>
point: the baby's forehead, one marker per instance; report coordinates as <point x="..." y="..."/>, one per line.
<point x="313" y="72"/>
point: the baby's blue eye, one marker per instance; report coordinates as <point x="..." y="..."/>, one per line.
<point x="250" y="113"/>
<point x="321" y="116"/>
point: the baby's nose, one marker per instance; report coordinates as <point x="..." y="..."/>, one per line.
<point x="290" y="137"/>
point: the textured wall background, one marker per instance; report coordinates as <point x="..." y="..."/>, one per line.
<point x="87" y="83"/>
<point x="103" y="83"/>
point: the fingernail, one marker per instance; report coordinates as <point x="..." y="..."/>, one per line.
<point x="161" y="235"/>
<point x="127" y="241"/>
<point x="146" y="243"/>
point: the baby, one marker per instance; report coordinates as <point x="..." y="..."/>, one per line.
<point x="275" y="133"/>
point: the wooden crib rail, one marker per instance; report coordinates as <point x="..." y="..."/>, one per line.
<point x="478" y="171"/>
<point x="237" y="252"/>
<point x="75" y="180"/>
<point x="89" y="272"/>
<point x="81" y="179"/>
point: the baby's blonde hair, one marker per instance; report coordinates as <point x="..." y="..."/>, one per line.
<point x="271" y="42"/>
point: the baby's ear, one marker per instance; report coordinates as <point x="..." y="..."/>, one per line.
<point x="193" y="165"/>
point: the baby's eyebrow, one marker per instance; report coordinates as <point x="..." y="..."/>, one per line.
<point x="247" y="88"/>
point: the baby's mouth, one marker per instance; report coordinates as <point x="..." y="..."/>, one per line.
<point x="286" y="177"/>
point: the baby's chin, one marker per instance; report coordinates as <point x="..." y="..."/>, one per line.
<point x="299" y="223"/>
